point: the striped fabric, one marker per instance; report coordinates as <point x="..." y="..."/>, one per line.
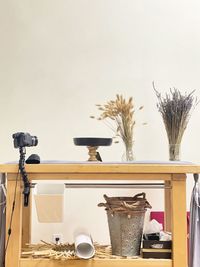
<point x="2" y="219"/>
<point x="194" y="234"/>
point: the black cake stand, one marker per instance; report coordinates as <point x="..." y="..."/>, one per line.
<point x="92" y="143"/>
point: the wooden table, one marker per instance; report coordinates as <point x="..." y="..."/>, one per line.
<point x="174" y="177"/>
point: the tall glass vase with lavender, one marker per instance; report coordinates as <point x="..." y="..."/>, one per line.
<point x="175" y="109"/>
<point x="118" y="115"/>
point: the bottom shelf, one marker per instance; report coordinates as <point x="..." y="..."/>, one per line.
<point x="96" y="263"/>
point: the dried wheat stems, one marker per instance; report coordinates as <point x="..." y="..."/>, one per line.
<point x="63" y="251"/>
<point x="121" y="113"/>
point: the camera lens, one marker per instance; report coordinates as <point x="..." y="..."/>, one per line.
<point x="34" y="141"/>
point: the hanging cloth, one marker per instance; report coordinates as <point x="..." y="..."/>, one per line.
<point x="194" y="232"/>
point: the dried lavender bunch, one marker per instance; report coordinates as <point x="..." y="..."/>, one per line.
<point x="121" y="112"/>
<point x="176" y="110"/>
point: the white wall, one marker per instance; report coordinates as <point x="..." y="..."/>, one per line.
<point x="59" y="58"/>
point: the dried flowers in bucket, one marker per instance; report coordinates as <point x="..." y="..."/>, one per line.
<point x="176" y="109"/>
<point x="121" y="112"/>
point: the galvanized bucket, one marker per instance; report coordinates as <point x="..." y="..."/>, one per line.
<point x="126" y="221"/>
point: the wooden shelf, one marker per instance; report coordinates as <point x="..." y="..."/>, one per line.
<point x="173" y="175"/>
<point x="96" y="263"/>
<point x="100" y="171"/>
<point x="98" y="168"/>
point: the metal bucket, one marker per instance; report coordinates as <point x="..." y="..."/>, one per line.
<point x="126" y="220"/>
<point x="125" y="232"/>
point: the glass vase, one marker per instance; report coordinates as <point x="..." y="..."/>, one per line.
<point x="128" y="154"/>
<point x="174" y="152"/>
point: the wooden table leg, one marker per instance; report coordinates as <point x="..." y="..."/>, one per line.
<point x="179" y="222"/>
<point x="14" y="246"/>
<point x="26" y="222"/>
<point x="168" y="212"/>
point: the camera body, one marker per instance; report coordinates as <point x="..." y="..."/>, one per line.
<point x="24" y="139"/>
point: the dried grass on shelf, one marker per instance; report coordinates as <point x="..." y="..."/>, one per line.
<point x="64" y="251"/>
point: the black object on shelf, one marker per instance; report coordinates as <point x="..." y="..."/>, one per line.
<point x="157" y="249"/>
<point x="153" y="236"/>
<point x="33" y="159"/>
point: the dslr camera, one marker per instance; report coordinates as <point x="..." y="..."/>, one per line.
<point x="24" y="139"/>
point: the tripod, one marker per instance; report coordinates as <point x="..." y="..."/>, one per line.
<point x="26" y="192"/>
